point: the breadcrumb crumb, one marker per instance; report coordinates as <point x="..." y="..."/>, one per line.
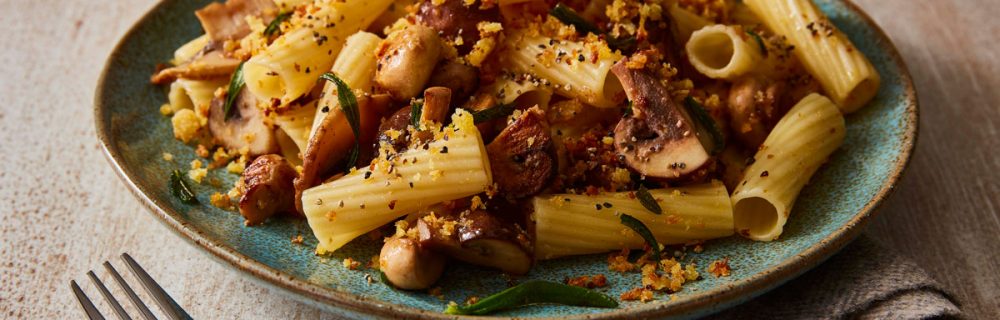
<point x="720" y="268"/>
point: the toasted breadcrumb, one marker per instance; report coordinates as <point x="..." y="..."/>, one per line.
<point x="168" y="157"/>
<point x="221" y="201"/>
<point x="598" y="281"/>
<point x="351" y="264"/>
<point x="297" y="239"/>
<point x="720" y="268"/>
<point x="640" y="293"/>
<point x="186" y="125"/>
<point x="619" y="262"/>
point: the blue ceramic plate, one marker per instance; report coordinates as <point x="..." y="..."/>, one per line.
<point x="830" y="212"/>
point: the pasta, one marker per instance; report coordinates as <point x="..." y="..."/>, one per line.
<point x="355" y="65"/>
<point x="297" y="123"/>
<point x="569" y="224"/>
<point x="365" y="199"/>
<point x="290" y="66"/>
<point x="844" y="72"/>
<point x="795" y="149"/>
<point x="721" y="52"/>
<point x="572" y="69"/>
<point x="501" y="133"/>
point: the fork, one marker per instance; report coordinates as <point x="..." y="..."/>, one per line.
<point x="167" y="304"/>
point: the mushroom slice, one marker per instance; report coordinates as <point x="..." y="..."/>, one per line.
<point x="659" y="139"/>
<point x="479" y="238"/>
<point x="245" y="128"/>
<point x="210" y="65"/>
<point x="405" y="61"/>
<point x="408" y="265"/>
<point x="268" y="188"/>
<point x="750" y="103"/>
<point x="453" y="18"/>
<point x="228" y="21"/>
<point x="334" y="138"/>
<point x="463" y="80"/>
<point x="522" y="156"/>
<point x="437" y="102"/>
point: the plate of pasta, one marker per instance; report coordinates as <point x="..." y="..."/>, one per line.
<point x="516" y="158"/>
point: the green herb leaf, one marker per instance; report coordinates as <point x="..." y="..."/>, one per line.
<point x="349" y="105"/>
<point x="416" y="109"/>
<point x="625" y="44"/>
<point x="236" y="84"/>
<point x="628" y="109"/>
<point x="709" y="132"/>
<point x="643" y="231"/>
<point x="568" y="16"/>
<point x="496" y="112"/>
<point x="647" y="200"/>
<point x="760" y="41"/>
<point x="180" y="188"/>
<point x="532" y="292"/>
<point x="275" y="24"/>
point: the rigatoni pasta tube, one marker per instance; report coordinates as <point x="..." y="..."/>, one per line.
<point x="573" y="69"/>
<point x="845" y="73"/>
<point x="290" y="66"/>
<point x="356" y="66"/>
<point x="799" y="144"/>
<point x="297" y="123"/>
<point x="722" y="52"/>
<point x="521" y="94"/>
<point x="363" y="200"/>
<point x="569" y="224"/>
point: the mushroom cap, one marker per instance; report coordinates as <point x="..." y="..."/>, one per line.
<point x="659" y="139"/>
<point x="408" y="265"/>
<point x="269" y="190"/>
<point x="246" y="128"/>
<point x="482" y="239"/>
<point x="522" y="156"/>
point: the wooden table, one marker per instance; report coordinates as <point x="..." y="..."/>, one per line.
<point x="63" y="211"/>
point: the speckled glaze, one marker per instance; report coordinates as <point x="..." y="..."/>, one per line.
<point x="830" y="212"/>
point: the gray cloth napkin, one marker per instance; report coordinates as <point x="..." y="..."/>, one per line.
<point x="863" y="281"/>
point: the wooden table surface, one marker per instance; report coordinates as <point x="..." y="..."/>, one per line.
<point x="63" y="211"/>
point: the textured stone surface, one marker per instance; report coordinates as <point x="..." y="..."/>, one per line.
<point x="63" y="211"/>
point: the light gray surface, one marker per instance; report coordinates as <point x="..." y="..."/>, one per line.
<point x="63" y="211"/>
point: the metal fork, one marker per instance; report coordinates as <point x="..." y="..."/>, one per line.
<point x="167" y="304"/>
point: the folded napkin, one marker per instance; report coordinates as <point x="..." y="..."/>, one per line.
<point x="863" y="281"/>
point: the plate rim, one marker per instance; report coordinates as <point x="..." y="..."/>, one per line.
<point x="700" y="303"/>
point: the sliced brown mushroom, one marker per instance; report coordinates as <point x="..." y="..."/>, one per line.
<point x="334" y="139"/>
<point x="522" y="156"/>
<point x="437" y="101"/>
<point x="659" y="139"/>
<point x="245" y="128"/>
<point x="463" y="80"/>
<point x="405" y="61"/>
<point x="268" y="188"/>
<point x="408" y="265"/>
<point x="393" y="130"/>
<point x="453" y="18"/>
<point x="750" y="101"/>
<point x="228" y="21"/>
<point x="480" y="238"/>
<point x="208" y="65"/>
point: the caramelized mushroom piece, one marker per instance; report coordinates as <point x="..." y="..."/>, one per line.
<point x="752" y="104"/>
<point x="208" y="65"/>
<point x="268" y="188"/>
<point x="245" y="128"/>
<point x="408" y="265"/>
<point x="454" y="18"/>
<point x="462" y="79"/>
<point x="405" y="61"/>
<point x="334" y="139"/>
<point x="394" y="129"/>
<point x="480" y="238"/>
<point x="227" y="21"/>
<point x="659" y="139"/>
<point x="522" y="156"/>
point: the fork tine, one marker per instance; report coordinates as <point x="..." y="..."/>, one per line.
<point x="88" y="306"/>
<point x="146" y="314"/>
<point x="107" y="296"/>
<point x="170" y="307"/>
